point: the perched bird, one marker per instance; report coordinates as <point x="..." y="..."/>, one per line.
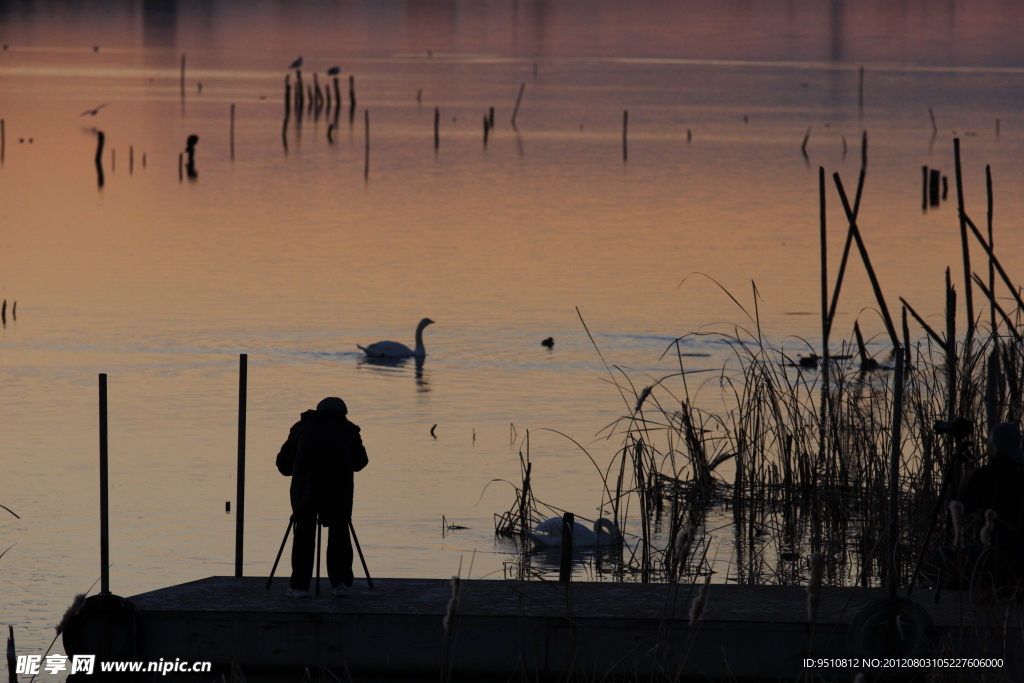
<point x="334" y="71"/>
<point x="92" y="112"/>
<point x="549" y="342"/>
<point x="297" y="63"/>
<point x="391" y="349"/>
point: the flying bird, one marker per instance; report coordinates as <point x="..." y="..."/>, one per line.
<point x="297" y="63"/>
<point x="334" y="71"/>
<point x="92" y="112"/>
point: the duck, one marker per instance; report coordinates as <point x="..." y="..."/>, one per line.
<point x="548" y="534"/>
<point x="549" y="342"/>
<point x="391" y="349"/>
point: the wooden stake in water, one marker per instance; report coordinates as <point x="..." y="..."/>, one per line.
<point x="568" y="541"/>
<point x="963" y="243"/>
<point x="181" y="167"/>
<point x="366" y="166"/>
<point x="243" y="376"/>
<point x="823" y="430"/>
<point x="104" y="527"/>
<point x="232" y="132"/>
<point x="625" y="127"/>
<point x="113" y="159"/>
<point x="182" y="75"/>
<point x="131" y="159"/>
<point x="99" y="157"/>
<point x="864" y="150"/>
<point x="860" y="94"/>
<point x="3" y="141"/>
<point x="991" y="265"/>
<point x="519" y="98"/>
<point x="437" y="128"/>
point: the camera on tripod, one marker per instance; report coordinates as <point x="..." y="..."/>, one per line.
<point x="957" y="428"/>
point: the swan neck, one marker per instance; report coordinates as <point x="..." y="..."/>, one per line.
<point x="419" y="341"/>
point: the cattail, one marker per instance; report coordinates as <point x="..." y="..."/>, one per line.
<point x="698" y="605"/>
<point x="643" y="397"/>
<point x="814" y="586"/>
<point x="76" y="605"/>
<point x="681" y="546"/>
<point x="986" y="531"/>
<point x="956" y="511"/>
<point x="453" y="604"/>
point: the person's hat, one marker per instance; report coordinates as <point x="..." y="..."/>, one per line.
<point x="1005" y="439"/>
<point x="336" y="405"/>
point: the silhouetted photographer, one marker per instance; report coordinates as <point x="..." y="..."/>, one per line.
<point x="321" y="454"/>
<point x="998" y="486"/>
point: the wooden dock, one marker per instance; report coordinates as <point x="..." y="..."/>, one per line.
<point x="543" y="629"/>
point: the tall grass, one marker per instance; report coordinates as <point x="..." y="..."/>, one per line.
<point x="807" y="443"/>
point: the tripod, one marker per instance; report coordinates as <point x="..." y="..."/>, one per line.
<point x="319" y="528"/>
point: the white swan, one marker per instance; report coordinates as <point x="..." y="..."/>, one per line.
<point x="390" y="349"/>
<point x="548" y="533"/>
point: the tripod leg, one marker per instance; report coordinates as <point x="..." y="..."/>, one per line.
<point x="319" y="528"/>
<point x="369" y="581"/>
<point x="280" y="550"/>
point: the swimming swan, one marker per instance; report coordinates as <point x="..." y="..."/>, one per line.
<point x="548" y="533"/>
<point x="390" y="349"/>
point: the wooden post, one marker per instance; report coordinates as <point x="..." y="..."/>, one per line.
<point x="991" y="245"/>
<point x="131" y="159"/>
<point x="825" y="421"/>
<point x="366" y="165"/>
<point x="568" y="541"/>
<point x="625" y="127"/>
<point x="352" y="91"/>
<point x="486" y="130"/>
<point x="934" y="178"/>
<point x="182" y="75"/>
<point x="100" y="138"/>
<point x="924" y="188"/>
<point x="515" y="112"/>
<point x="437" y="128"/>
<point x="104" y="528"/>
<point x="287" y="96"/>
<point x="864" y="150"/>
<point x="3" y="140"/>
<point x="240" y="493"/>
<point x="860" y="95"/>
<point x="968" y="295"/>
<point x="232" y="132"/>
<point x="490" y="118"/>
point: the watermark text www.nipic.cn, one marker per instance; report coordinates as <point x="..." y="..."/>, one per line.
<point x="86" y="664"/>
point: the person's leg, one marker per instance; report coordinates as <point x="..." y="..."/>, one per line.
<point x="303" y="548"/>
<point x="339" y="552"/>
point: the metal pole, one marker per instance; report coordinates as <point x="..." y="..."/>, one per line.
<point x="240" y="495"/>
<point x="894" y="475"/>
<point x="104" y="527"/>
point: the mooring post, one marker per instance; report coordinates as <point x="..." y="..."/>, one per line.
<point x="568" y="541"/>
<point x="232" y="132"/>
<point x="104" y="527"/>
<point x="240" y="495"/>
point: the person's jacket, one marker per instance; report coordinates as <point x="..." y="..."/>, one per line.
<point x="322" y="451"/>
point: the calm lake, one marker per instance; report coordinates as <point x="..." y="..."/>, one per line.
<point x="295" y="251"/>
